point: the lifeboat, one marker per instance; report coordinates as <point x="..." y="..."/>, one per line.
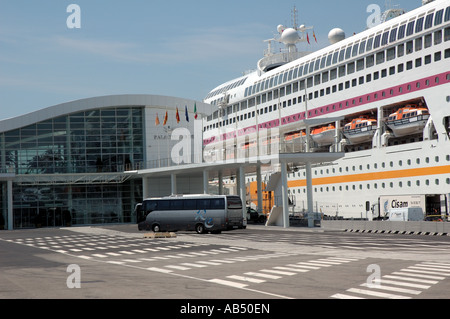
<point x="408" y="120"/>
<point x="360" y="130"/>
<point x="324" y="135"/>
<point x="293" y="136"/>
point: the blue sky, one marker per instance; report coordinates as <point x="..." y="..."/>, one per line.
<point x="175" y="48"/>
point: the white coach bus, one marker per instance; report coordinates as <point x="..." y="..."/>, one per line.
<point x="200" y="213"/>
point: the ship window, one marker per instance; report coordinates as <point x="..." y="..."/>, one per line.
<point x="333" y="74"/>
<point x="369" y="44"/>
<point x="370" y="61"/>
<point x="393" y="36"/>
<point x="341" y="55"/>
<point x="391" y="54"/>
<point x="316" y="67"/>
<point x="409" y="47"/>
<point x="342" y="71"/>
<point x="384" y="41"/>
<point x="329" y="59"/>
<point x="306" y="69"/>
<point x="302" y="85"/>
<point x="447" y="14"/>
<point x="428" y="40"/>
<point x="335" y="57"/>
<point x="419" y="44"/>
<point x="401" y="50"/>
<point x="418" y="64"/>
<point x="351" y="68"/>
<point x="362" y="47"/>
<point x="380" y="57"/>
<point x="322" y="63"/>
<point x="348" y="52"/>
<point x="392" y="70"/>
<point x="438" y="17"/>
<point x="419" y="25"/>
<point x="401" y="32"/>
<point x="438" y="37"/>
<point x="429" y="21"/>
<point x="311" y="67"/>
<point x="409" y="66"/>
<point x="410" y="29"/>
<point x="289" y="89"/>
<point x="377" y="41"/>
<point x="360" y="65"/>
<point x="447" y="34"/>
<point x="285" y="77"/>
<point x="300" y="71"/>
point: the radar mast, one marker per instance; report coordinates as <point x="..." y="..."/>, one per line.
<point x="290" y="37"/>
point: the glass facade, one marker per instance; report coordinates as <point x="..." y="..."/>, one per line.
<point x="87" y="143"/>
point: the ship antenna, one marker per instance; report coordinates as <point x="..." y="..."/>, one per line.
<point x="295" y="18"/>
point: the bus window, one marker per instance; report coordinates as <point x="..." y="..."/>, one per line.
<point x="150" y="206"/>
<point x="218" y="203"/>
<point x="234" y="202"/>
<point x="176" y="205"/>
<point x="203" y="203"/>
<point x="163" y="205"/>
<point x="190" y="204"/>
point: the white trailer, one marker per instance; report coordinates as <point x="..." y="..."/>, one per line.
<point x="412" y="214"/>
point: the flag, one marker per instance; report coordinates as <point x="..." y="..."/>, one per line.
<point x="178" y="116"/>
<point x="307" y="38"/>
<point x="195" y="111"/>
<point x="314" y="34"/>
<point x="186" y="112"/>
<point x="165" y="119"/>
<point x="157" y="120"/>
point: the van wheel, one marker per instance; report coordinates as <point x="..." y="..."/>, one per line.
<point x="200" y="229"/>
<point x="156" y="228"/>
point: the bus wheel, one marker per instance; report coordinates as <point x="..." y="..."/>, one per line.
<point x="156" y="228"/>
<point x="199" y="228"/>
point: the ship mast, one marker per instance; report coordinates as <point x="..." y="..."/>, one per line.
<point x="290" y="37"/>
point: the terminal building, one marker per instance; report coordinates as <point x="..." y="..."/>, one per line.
<point x="65" y="165"/>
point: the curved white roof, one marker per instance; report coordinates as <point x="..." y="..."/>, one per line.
<point x="162" y="102"/>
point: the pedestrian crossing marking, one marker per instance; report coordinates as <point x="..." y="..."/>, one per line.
<point x="417" y="276"/>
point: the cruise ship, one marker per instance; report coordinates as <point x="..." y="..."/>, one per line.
<point x="381" y="96"/>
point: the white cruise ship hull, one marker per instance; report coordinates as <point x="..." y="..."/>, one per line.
<point x="408" y="159"/>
